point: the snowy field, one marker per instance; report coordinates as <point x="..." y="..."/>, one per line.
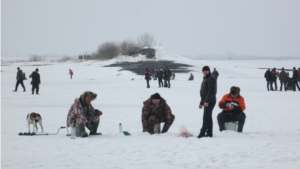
<point x="271" y="138"/>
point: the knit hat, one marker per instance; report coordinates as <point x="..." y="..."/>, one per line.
<point x="205" y="68"/>
<point x="18" y="68"/>
<point x="89" y="95"/>
<point x="155" y="96"/>
<point x="36" y="69"/>
<point x="235" y="90"/>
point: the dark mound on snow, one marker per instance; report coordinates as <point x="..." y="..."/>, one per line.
<point x="139" y="67"/>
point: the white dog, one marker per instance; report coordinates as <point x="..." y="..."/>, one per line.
<point x="34" y="118"/>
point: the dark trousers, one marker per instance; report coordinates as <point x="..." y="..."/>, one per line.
<point x="160" y="82"/>
<point x="19" y="82"/>
<point x="269" y="84"/>
<point x="148" y="85"/>
<point x="275" y="83"/>
<point x="207" y="124"/>
<point x="167" y="82"/>
<point x="295" y="81"/>
<point x="284" y="84"/>
<point x="35" y="87"/>
<point x="224" y="117"/>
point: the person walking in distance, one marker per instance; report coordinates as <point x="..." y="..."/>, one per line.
<point x="36" y="81"/>
<point x="283" y="79"/>
<point x="208" y="93"/>
<point x="71" y="73"/>
<point x="19" y="80"/>
<point x="148" y="75"/>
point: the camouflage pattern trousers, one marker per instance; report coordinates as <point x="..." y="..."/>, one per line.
<point x="155" y="119"/>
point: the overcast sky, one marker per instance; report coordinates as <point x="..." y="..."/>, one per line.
<point x="190" y="27"/>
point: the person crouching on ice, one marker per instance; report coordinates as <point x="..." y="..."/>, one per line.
<point x="82" y="114"/>
<point x="156" y="110"/>
<point x="233" y="106"/>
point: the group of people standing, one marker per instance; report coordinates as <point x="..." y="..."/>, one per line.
<point x="285" y="81"/>
<point x="162" y="75"/>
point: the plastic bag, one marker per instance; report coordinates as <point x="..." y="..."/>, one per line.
<point x="184" y="132"/>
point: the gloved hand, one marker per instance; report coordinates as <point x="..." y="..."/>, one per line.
<point x="169" y="116"/>
<point x="98" y="112"/>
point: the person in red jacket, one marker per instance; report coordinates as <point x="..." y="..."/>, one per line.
<point x="71" y="73"/>
<point x="233" y="106"/>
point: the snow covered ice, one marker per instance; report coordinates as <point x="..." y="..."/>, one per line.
<point x="271" y="137"/>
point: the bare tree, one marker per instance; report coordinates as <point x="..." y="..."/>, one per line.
<point x="107" y="51"/>
<point x="146" y="40"/>
<point x="128" y="47"/>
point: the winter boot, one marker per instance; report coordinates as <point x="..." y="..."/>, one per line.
<point x="201" y="134"/>
<point x="151" y="129"/>
<point x="240" y="127"/>
<point x="80" y="131"/>
<point x="166" y="127"/>
<point x="209" y="134"/>
<point x="95" y="127"/>
<point x="221" y="126"/>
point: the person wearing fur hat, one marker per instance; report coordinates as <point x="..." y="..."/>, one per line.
<point x="208" y="93"/>
<point x="82" y="114"/>
<point x="233" y="106"/>
<point x="36" y="81"/>
<point x="156" y="110"/>
<point x="268" y="76"/>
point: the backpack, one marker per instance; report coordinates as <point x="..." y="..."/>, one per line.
<point x="24" y="76"/>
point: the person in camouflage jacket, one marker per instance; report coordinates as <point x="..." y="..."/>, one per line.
<point x="82" y="114"/>
<point x="156" y="110"/>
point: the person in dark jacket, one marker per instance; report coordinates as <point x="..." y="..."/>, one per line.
<point x="274" y="78"/>
<point x="147" y="76"/>
<point x="268" y="76"/>
<point x="233" y="105"/>
<point x="159" y="75"/>
<point x="208" y="93"/>
<point x="168" y="74"/>
<point x="36" y="81"/>
<point x="215" y="73"/>
<point x="299" y="74"/>
<point x="283" y="79"/>
<point x="295" y="79"/>
<point x="191" y="77"/>
<point x="19" y="80"/>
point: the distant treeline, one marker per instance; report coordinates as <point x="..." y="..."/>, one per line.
<point x="110" y="50"/>
<point x="245" y="57"/>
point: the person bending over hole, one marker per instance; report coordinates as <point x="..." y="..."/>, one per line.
<point x="156" y="110"/>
